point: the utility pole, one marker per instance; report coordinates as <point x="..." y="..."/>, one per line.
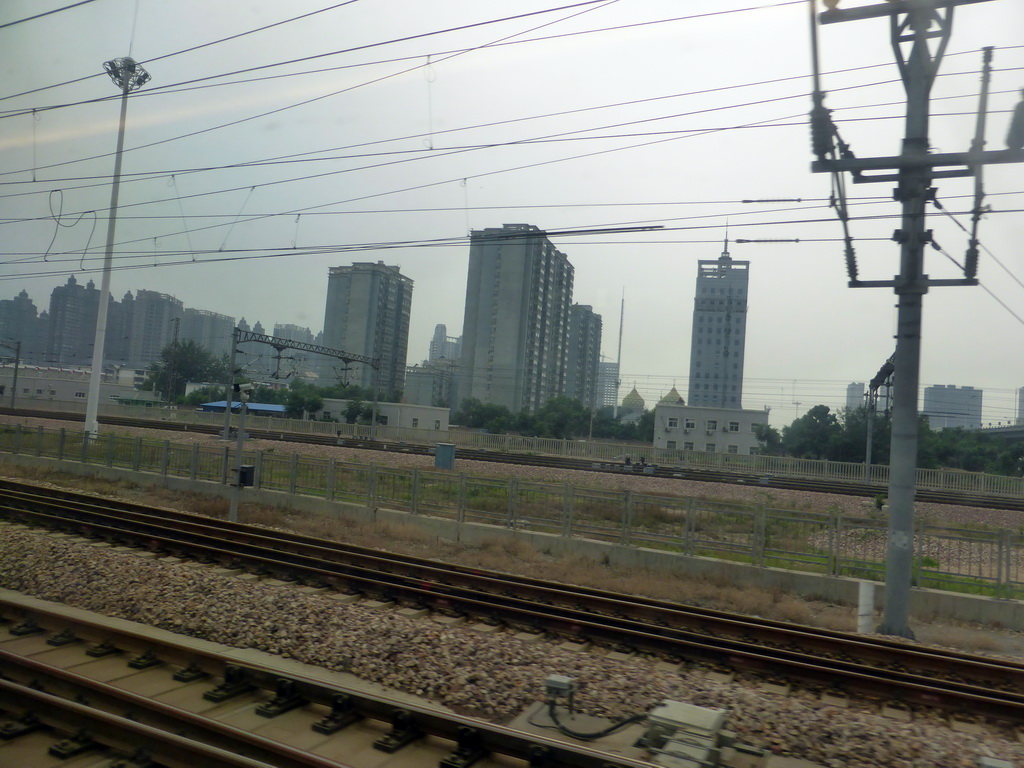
<point x="14" y="346"/>
<point x="914" y="24"/>
<point x="128" y="76"/>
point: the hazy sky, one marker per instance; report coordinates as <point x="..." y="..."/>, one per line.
<point x="387" y="129"/>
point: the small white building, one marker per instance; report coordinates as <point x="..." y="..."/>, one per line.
<point x="404" y="415"/>
<point x="710" y="430"/>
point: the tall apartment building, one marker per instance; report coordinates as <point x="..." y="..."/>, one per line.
<point x="948" y="406"/>
<point x="855" y="395"/>
<point x="72" y="329"/>
<point x="443" y="346"/>
<point x="607" y="385"/>
<point x="294" y="332"/>
<point x="20" y="321"/>
<point x="367" y="313"/>
<point x="719" y="332"/>
<point x="584" y="354"/>
<point x="210" y="329"/>
<point x="152" y="326"/>
<point x="515" y="329"/>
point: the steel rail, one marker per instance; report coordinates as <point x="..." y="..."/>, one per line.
<point x="782" y="653"/>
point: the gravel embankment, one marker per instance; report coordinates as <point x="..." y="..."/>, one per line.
<point x="492" y="676"/>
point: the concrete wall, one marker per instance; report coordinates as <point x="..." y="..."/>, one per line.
<point x="925" y="604"/>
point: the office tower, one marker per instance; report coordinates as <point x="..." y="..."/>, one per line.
<point x="515" y="330"/>
<point x="293" y="332"/>
<point x="584" y="354"/>
<point x="719" y="333"/>
<point x="947" y="406"/>
<point x="367" y="314"/>
<point x="152" y="326"/>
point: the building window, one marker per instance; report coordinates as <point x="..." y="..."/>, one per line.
<point x="712" y="425"/>
<point x="671" y="445"/>
<point x="415" y="423"/>
<point x="79" y="394"/>
<point x="734" y="426"/>
<point x="709" y="447"/>
<point x="689" y="424"/>
<point x="687" y="446"/>
<point x="733" y="449"/>
<point x="673" y="422"/>
<point x="437" y="423"/>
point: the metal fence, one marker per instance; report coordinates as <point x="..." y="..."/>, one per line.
<point x="829" y="542"/>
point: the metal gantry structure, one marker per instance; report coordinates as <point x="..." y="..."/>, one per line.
<point x="240" y="336"/>
<point x="914" y="26"/>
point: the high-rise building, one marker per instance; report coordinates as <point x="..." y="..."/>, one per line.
<point x="948" y="406"/>
<point x="719" y="332"/>
<point x="72" y="330"/>
<point x="515" y="329"/>
<point x="607" y="385"/>
<point x="367" y="313"/>
<point x="855" y="395"/>
<point x="584" y="354"/>
<point x="210" y="329"/>
<point x="152" y="326"/>
<point x="20" y="322"/>
<point x="293" y="332"/>
<point x="443" y="346"/>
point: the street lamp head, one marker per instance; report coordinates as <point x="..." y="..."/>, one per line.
<point x="127" y="74"/>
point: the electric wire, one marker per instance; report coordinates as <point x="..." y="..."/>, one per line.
<point x="45" y="13"/>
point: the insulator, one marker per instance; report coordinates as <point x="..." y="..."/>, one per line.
<point x="971" y="262"/>
<point x="821" y="131"/>
<point x="1015" y="137"/>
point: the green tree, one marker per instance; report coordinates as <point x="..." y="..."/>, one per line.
<point x="769" y="439"/>
<point x="812" y="435"/>
<point x="562" y="418"/>
<point x="492" y="417"/>
<point x="181" y="362"/>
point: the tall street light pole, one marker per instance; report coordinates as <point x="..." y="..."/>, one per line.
<point x="128" y="76"/>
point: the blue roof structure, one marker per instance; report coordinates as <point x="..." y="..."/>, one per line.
<point x="261" y="409"/>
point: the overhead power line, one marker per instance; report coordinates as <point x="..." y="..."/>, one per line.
<point x="45" y="13"/>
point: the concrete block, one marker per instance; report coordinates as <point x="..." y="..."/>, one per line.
<point x="412" y="613"/>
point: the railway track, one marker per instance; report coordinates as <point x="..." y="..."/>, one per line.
<point x="875" y="667"/>
<point x="845" y="488"/>
<point x="80" y="689"/>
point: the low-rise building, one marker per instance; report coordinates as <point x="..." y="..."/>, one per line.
<point x="710" y="430"/>
<point x="403" y="415"/>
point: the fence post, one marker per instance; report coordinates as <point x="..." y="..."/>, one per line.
<point x="60" y="443"/>
<point x="836" y="543"/>
<point x="513" y="500"/>
<point x="566" y="509"/>
<point x="85" y="447"/>
<point x="627" y="516"/>
<point x="257" y="472"/>
<point x="293" y="472"/>
<point x="691" y="524"/>
<point x="415" y="497"/>
<point x="165" y="457"/>
<point x="137" y="454"/>
<point x="460" y="513"/>
<point x="111" y="445"/>
<point x="193" y="472"/>
<point x="760" y="542"/>
<point x="371" y="487"/>
<point x="332" y="469"/>
<point x="39" y="441"/>
<point x="1001" y="547"/>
